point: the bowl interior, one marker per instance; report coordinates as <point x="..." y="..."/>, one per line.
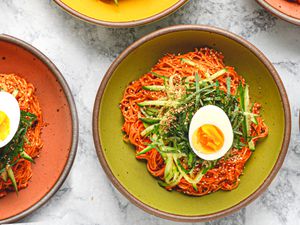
<point x="126" y="11"/>
<point x="133" y="175"/>
<point x="57" y="135"/>
<point x="288" y="8"/>
<point x="283" y="8"/>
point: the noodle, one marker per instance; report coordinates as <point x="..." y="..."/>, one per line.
<point x="225" y="174"/>
<point x="28" y="102"/>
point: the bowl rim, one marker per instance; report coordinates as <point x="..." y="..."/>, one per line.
<point x="222" y="213"/>
<point x="278" y="13"/>
<point x="75" y="129"/>
<point x="127" y="24"/>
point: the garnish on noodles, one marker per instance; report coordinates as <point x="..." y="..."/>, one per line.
<point x="194" y="91"/>
<point x="20" y="132"/>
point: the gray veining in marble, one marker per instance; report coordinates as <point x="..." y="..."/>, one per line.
<point x="83" y="52"/>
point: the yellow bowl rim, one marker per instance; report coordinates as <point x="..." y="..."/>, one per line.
<point x="128" y="24"/>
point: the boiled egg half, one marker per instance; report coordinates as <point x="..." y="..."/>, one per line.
<point x="9" y="117"/>
<point x="210" y="133"/>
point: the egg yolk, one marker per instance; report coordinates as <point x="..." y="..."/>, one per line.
<point x="208" y="139"/>
<point x="4" y="126"/>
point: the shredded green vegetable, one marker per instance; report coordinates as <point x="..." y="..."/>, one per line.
<point x="167" y="123"/>
<point x="10" y="154"/>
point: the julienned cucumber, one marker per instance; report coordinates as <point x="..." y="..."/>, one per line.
<point x="247" y="108"/>
<point x="150" y="120"/>
<point x="189" y="62"/>
<point x="145" y="150"/>
<point x="171" y="175"/>
<point x="251" y="145"/>
<point x="148" y="130"/>
<point x="216" y="75"/>
<point x="210" y="78"/>
<point x="154" y="88"/>
<point x="193" y="181"/>
<point x="153" y="103"/>
<point x="245" y="102"/>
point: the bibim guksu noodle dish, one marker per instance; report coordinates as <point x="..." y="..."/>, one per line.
<point x="192" y="120"/>
<point x="20" y="132"/>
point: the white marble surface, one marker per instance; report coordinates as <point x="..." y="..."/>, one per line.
<point x="83" y="52"/>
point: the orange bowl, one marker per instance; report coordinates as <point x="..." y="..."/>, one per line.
<point x="283" y="9"/>
<point x="59" y="113"/>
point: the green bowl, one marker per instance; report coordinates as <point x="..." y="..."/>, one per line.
<point x="131" y="177"/>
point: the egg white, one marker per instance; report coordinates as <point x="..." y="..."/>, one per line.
<point x="10" y="106"/>
<point x="214" y="115"/>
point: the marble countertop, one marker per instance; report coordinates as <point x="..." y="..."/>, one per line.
<point x="83" y="53"/>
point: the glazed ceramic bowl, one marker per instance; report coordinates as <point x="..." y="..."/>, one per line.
<point x="283" y="9"/>
<point x="60" y="136"/>
<point x="128" y="13"/>
<point x="131" y="177"/>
